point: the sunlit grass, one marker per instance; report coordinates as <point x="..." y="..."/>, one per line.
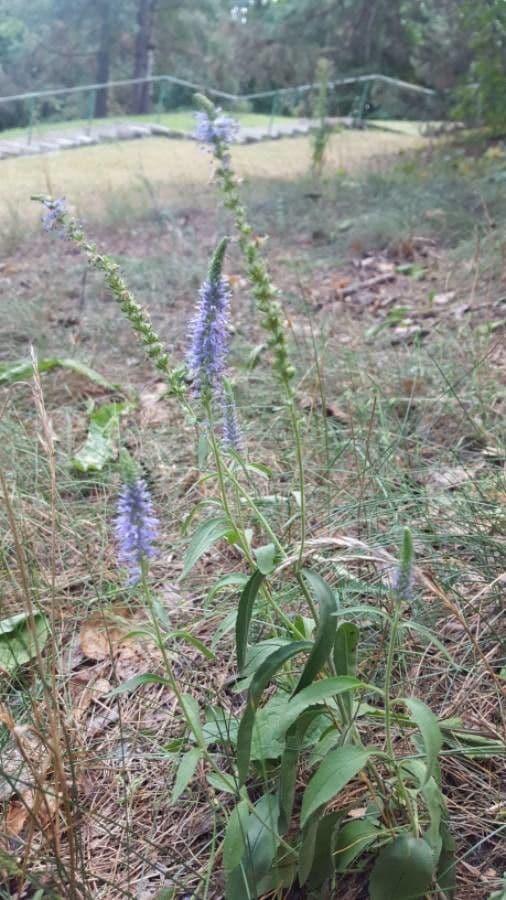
<point x="89" y="176"/>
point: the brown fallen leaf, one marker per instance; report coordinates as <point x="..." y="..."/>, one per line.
<point x="15" y="818"/>
<point x="100" y="633"/>
<point x="152" y="411"/>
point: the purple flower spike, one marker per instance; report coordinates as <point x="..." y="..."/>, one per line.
<point x="231" y="432"/>
<point x="209" y="335"/>
<point x="211" y="131"/>
<point x="136" y="528"/>
<point x="55" y="210"/>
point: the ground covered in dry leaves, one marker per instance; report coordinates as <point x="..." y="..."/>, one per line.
<point x="400" y="305"/>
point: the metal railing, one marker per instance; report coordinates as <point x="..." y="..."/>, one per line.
<point x="279" y="97"/>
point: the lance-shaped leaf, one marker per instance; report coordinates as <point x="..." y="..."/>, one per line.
<point x="336" y="770"/>
<point x="345" y="655"/>
<point x="429" y="729"/>
<point x="261" y="679"/>
<point x="203" y="538"/>
<point x="326" y="631"/>
<point x="289" y="763"/>
<point x="244" y="613"/>
<point x="316" y="856"/>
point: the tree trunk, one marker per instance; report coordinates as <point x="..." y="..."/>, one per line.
<point x="144" y="55"/>
<point x="103" y="60"/>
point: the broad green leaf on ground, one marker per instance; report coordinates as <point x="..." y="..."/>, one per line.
<point x="428" y="726"/>
<point x="261" y="842"/>
<point x="266" y="558"/>
<point x="21" y="637"/>
<point x="207" y="534"/>
<point x="102" y="441"/>
<point x="326" y="631"/>
<point x="260" y="680"/>
<point x="185" y="772"/>
<point x="23" y="369"/>
<point x="339" y="767"/>
<point x="402" y="871"/>
<point x="353" y="838"/>
<point x="244" y="613"/>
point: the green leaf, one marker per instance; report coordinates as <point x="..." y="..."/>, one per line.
<point x="225" y="581"/>
<point x="345" y="648"/>
<point x="222" y="781"/>
<point x="402" y="871"/>
<point x="101" y="444"/>
<point x="133" y="683"/>
<point x="446" y="871"/>
<point x="195" y="642"/>
<point x="259" y="682"/>
<point x="429" y="729"/>
<point x="202" y="451"/>
<point x="345" y="655"/>
<point x="20" y="371"/>
<point x="266" y="558"/>
<point x="192" y="715"/>
<point x="307" y="848"/>
<point x="203" y="538"/>
<point x="261" y="842"/>
<point x="255" y="655"/>
<point x="235" y="834"/>
<point x="322" y="867"/>
<point x="319" y="692"/>
<point x="335" y="772"/>
<point x="352" y="839"/>
<point x="326" y="631"/>
<point x="21" y="636"/>
<point x="288" y="769"/>
<point x="185" y="772"/>
<point x="244" y="613"/>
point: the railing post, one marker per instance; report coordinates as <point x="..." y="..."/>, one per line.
<point x="161" y="99"/>
<point x="31" y="105"/>
<point x="91" y="110"/>
<point x="274" y="111"/>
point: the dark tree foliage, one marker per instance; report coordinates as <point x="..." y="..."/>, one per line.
<point x="455" y="46"/>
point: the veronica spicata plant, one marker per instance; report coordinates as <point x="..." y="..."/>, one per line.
<point x="311" y="734"/>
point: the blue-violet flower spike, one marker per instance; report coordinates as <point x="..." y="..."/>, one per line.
<point x="210" y="131"/>
<point x="55" y="210"/>
<point x="136" y="528"/>
<point x="209" y="333"/>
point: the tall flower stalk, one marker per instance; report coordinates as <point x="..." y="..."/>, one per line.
<point x="57" y="218"/>
<point x="266" y="294"/>
<point x="209" y="330"/>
